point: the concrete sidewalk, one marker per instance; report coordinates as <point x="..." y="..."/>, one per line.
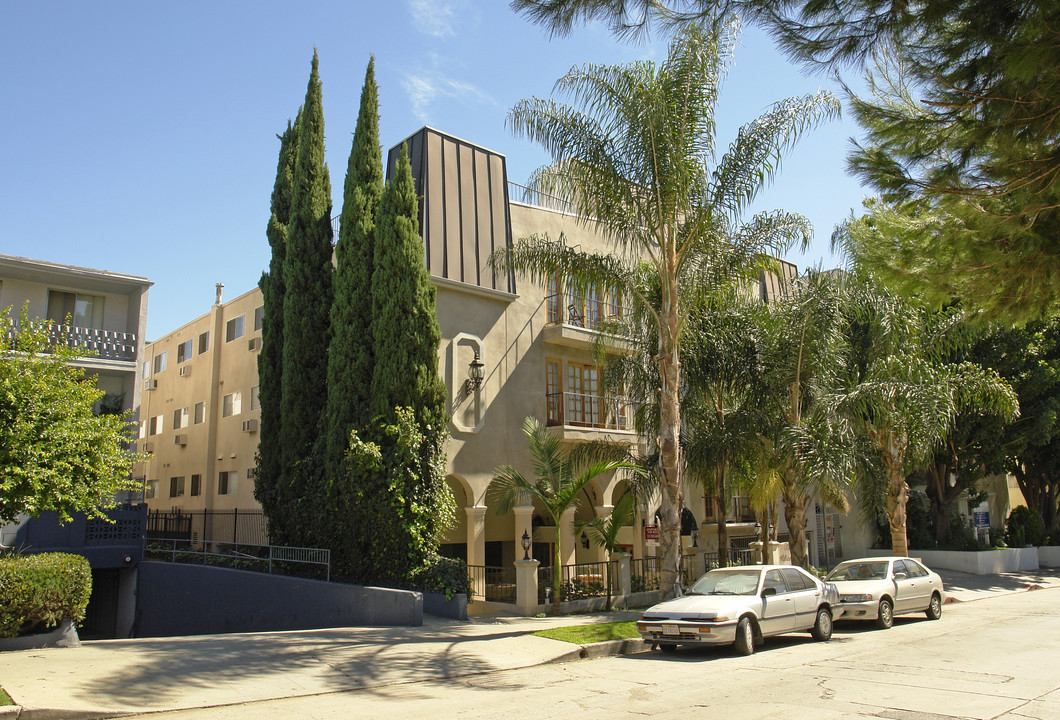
<point x="116" y="677"/>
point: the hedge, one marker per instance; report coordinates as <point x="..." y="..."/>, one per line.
<point x="42" y="590"/>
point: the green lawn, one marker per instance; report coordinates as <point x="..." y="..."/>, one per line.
<point x="585" y="634"/>
<point x="5" y="699"/>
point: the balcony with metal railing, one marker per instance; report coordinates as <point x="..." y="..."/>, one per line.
<point x="583" y="322"/>
<point x="572" y="413"/>
<point x="532" y="196"/>
<point x="99" y="344"/>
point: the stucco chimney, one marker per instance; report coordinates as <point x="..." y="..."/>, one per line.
<point x="220" y="287"/>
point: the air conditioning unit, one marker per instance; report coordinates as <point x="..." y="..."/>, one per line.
<point x="149" y="447"/>
<point x="150" y="384"/>
<point x="185" y="370"/>
<point x="250" y="426"/>
<point x="254" y="344"/>
<point x="181" y="439"/>
<point x="251" y="474"/>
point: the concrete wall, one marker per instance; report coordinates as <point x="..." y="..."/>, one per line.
<point x="983" y="562"/>
<point x="175" y="599"/>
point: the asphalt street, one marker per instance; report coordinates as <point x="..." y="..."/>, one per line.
<point x="998" y="658"/>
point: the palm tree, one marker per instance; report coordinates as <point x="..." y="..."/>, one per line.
<point x="804" y="440"/>
<point x="903" y="398"/>
<point x="633" y="155"/>
<point x="603" y="531"/>
<point x="560" y="478"/>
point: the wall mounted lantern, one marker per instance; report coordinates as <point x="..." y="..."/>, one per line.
<point x="526" y="545"/>
<point x="476" y="371"/>
<point x="695" y="536"/>
<point x="585" y="541"/>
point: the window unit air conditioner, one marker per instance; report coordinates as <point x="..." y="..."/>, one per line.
<point x="250" y="426"/>
<point x="254" y="344"/>
<point x="150" y="384"/>
<point x="181" y="439"/>
<point x="149" y="447"/>
<point x="185" y="370"/>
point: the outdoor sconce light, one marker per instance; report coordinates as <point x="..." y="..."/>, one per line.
<point x="758" y="528"/>
<point x="476" y="371"/>
<point x="585" y="541"/>
<point x="526" y="545"/>
<point x="695" y="536"/>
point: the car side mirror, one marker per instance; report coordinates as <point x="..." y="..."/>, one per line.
<point x="768" y="591"/>
<point x="900" y="576"/>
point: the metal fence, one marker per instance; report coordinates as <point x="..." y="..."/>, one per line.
<point x="747" y="556"/>
<point x="493" y="584"/>
<point x="243" y="527"/>
<point x="644" y="574"/>
<point x="272" y="559"/>
<point x="584" y="580"/>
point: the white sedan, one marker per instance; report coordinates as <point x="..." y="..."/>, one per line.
<point x="880" y="588"/>
<point x="741" y="606"/>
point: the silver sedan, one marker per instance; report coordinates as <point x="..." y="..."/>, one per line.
<point x="880" y="588"/>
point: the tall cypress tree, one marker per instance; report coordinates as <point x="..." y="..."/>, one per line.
<point x="405" y="325"/>
<point x="307" y="302"/>
<point x="350" y="356"/>
<point x="270" y="359"/>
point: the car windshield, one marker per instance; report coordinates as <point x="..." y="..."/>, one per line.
<point x="727" y="582"/>
<point x="876" y="570"/>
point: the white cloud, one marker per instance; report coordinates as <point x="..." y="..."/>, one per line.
<point x="427" y="87"/>
<point x="435" y="17"/>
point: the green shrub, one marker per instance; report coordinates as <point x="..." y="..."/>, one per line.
<point x="42" y="590"/>
<point x="447" y="576"/>
<point x="1024" y="527"/>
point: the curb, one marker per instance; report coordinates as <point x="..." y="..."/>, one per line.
<point x="10" y="712"/>
<point x="609" y="648"/>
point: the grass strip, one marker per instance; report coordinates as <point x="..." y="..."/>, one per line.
<point x="5" y="699"/>
<point x="586" y="634"/>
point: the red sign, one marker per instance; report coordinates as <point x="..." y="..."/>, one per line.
<point x="651" y="532"/>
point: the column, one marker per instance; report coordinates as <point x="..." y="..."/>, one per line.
<point x="599" y="553"/>
<point x="526" y="587"/>
<point x="524" y="522"/>
<point x="566" y="531"/>
<point x="476" y="546"/>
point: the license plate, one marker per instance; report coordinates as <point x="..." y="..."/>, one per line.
<point x="671" y="630"/>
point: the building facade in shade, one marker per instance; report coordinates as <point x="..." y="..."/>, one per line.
<point x="535" y="343"/>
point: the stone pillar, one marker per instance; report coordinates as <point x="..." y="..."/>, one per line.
<point x="526" y="587"/>
<point x="568" y="549"/>
<point x="621" y="566"/>
<point x="524" y="522"/>
<point x="476" y="546"/>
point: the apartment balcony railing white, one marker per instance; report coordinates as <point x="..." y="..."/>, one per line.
<point x="592" y="411"/>
<point x="532" y="196"/>
<point x="103" y="344"/>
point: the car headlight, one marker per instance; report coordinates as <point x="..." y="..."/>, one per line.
<point x="855" y="598"/>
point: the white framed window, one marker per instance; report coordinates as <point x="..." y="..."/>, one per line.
<point x="204" y="342"/>
<point x="259" y="316"/>
<point x="154" y="426"/>
<point x="196" y="486"/>
<point x="150" y="489"/>
<point x="143" y="430"/>
<point x="180" y="418"/>
<point x="184" y="351"/>
<point x="147" y="369"/>
<point x="232" y="404"/>
<point x="226" y="482"/>
<point x="254" y="403"/>
<point x="160" y="362"/>
<point x="235" y="328"/>
<point x="200" y="413"/>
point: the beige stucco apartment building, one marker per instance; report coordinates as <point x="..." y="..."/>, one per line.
<point x="199" y="414"/>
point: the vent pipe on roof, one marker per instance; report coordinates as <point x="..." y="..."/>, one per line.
<point x="220" y="287"/>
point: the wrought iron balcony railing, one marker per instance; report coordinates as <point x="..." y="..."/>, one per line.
<point x="589" y="313"/>
<point x="587" y="410"/>
<point x="103" y="344"/>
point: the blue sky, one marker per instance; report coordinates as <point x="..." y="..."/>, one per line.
<point x="142" y="137"/>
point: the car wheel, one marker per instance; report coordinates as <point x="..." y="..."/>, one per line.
<point x="885" y="615"/>
<point x="934" y="609"/>
<point x="667" y="647"/>
<point x="745" y="637"/>
<point x="822" y="628"/>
